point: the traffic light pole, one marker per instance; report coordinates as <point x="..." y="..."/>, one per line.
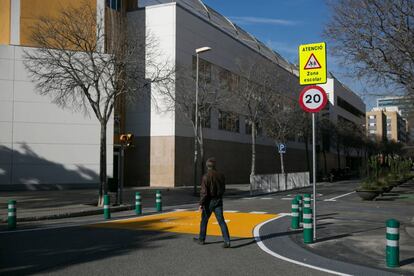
<point x="121" y="175"/>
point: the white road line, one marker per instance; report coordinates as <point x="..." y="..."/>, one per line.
<point x="257" y="212"/>
<point x="265" y="198"/>
<point x="286" y="198"/>
<point x="248" y="198"/>
<point x="231" y="211"/>
<point x="256" y="233"/>
<point x="335" y="198"/>
<point x="181" y="210"/>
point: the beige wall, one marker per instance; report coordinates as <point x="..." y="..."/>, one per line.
<point x="162" y="161"/>
<point x="32" y="10"/>
<point x="4" y="22"/>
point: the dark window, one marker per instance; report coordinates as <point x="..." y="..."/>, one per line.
<point x="204" y="70"/>
<point x="229" y="121"/>
<point x="114" y="4"/>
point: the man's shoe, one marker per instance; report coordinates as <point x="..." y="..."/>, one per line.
<point x="197" y="240"/>
<point x="226" y="245"/>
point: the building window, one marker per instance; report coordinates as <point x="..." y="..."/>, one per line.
<point x="205" y="115"/>
<point x="372" y="117"/>
<point x="248" y="127"/>
<point x="229" y="80"/>
<point x="114" y="4"/>
<point x="204" y="70"/>
<point x="228" y="121"/>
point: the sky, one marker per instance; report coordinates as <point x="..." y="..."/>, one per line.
<point x="285" y="24"/>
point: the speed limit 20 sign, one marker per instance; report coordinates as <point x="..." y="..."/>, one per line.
<point x="313" y="99"/>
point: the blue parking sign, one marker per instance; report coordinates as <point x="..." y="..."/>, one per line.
<point x="282" y="148"/>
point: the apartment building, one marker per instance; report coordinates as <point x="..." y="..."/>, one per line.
<point x="386" y="124"/>
<point x="405" y="107"/>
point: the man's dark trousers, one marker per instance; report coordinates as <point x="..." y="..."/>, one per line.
<point x="216" y="206"/>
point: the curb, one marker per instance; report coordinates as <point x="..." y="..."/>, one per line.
<point x="72" y="214"/>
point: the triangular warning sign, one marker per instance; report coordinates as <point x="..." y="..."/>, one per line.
<point x="312" y="63"/>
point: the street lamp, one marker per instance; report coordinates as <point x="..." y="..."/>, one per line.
<point x="198" y="52"/>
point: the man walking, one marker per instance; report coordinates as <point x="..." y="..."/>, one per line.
<point x="211" y="200"/>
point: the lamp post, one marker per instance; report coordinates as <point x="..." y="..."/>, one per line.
<point x="198" y="52"/>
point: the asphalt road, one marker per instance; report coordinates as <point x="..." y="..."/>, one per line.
<point x="73" y="247"/>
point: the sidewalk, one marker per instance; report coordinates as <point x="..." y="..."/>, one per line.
<point x="353" y="230"/>
<point x="53" y="204"/>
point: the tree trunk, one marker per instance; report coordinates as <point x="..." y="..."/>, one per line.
<point x="338" y="154"/>
<point x="324" y="162"/>
<point x="253" y="167"/>
<point x="102" y="165"/>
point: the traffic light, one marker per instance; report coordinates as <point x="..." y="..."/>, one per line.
<point x="126" y="139"/>
<point x="130" y="139"/>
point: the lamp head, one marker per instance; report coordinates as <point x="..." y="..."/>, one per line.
<point x="202" y="50"/>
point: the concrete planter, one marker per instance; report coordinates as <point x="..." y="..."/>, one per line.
<point x="368" y="194"/>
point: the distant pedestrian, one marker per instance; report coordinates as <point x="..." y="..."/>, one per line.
<point x="211" y="200"/>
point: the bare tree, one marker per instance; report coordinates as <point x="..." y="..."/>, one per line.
<point x="73" y="66"/>
<point x="181" y="97"/>
<point x="376" y="37"/>
<point x="252" y="94"/>
<point x="280" y="119"/>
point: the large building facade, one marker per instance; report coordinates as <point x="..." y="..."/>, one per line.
<point x="43" y="144"/>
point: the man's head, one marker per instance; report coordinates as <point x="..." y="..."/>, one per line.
<point x="211" y="163"/>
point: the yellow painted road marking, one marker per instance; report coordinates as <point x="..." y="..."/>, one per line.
<point x="240" y="224"/>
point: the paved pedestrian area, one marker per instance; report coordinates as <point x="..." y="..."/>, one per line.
<point x="240" y="225"/>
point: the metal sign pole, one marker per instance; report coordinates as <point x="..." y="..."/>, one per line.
<point x="314" y="175"/>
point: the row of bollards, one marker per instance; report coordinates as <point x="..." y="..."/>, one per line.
<point x="12" y="218"/>
<point x="138" y="204"/>
<point x="302" y="218"/>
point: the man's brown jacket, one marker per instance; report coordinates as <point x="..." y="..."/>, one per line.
<point x="213" y="186"/>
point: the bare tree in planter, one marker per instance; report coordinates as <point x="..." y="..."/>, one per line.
<point x="280" y="120"/>
<point x="181" y="97"/>
<point x="252" y="94"/>
<point x="376" y="38"/>
<point x="81" y="67"/>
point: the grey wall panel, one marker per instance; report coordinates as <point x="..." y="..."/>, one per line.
<point x="5" y="153"/>
<point x="6" y="69"/>
<point x="27" y="153"/>
<point x="25" y="92"/>
<point x="6" y="52"/>
<point x="53" y="174"/>
<point x="6" y="90"/>
<point x="55" y="133"/>
<point x="49" y="113"/>
<point x="6" y="112"/>
<point x="6" y="132"/>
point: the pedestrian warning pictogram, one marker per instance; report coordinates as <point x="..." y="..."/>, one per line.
<point x="312" y="63"/>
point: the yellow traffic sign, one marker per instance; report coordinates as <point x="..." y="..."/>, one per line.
<point x="312" y="63"/>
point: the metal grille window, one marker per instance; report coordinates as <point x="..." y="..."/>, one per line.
<point x="228" y="121"/>
<point x="204" y="68"/>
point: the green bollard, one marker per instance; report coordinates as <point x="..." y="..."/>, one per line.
<point x="307" y="226"/>
<point x="107" y="211"/>
<point x="11" y="215"/>
<point x="158" y="201"/>
<point x="295" y="214"/>
<point x="307" y="201"/>
<point x="300" y="203"/>
<point x="138" y="206"/>
<point x="393" y="249"/>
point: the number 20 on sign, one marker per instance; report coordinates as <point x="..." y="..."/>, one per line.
<point x="313" y="99"/>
